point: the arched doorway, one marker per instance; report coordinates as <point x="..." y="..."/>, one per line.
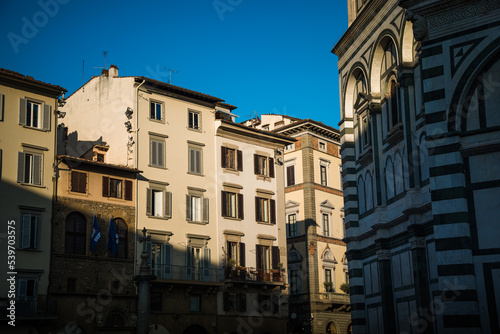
<point x="331" y="328"/>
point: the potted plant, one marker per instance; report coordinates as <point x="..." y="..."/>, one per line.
<point x="328" y="286"/>
<point x="345" y="287"/>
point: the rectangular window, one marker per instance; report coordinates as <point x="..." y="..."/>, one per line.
<point x="323" y="175"/>
<point x="232" y="205"/>
<point x="290" y="147"/>
<point x="322" y="145"/>
<point x="30" y="168"/>
<point x="195" y="303"/>
<point x="78" y="182"/>
<point x="292" y="225"/>
<point x="27" y="291"/>
<point x="194" y="120"/>
<point x="159" y="203"/>
<point x="157" y="153"/>
<point x="294" y="282"/>
<point x="156" y="111"/>
<point x="326" y="224"/>
<point x="29" y="231"/>
<point x="235" y="302"/>
<point x="263" y="166"/>
<point x="290" y="175"/>
<point x="195" y="160"/>
<point x="265" y="210"/>
<point x="34" y="114"/>
<point x="196" y="209"/>
<point x="231" y="158"/>
<point x="117" y="188"/>
<point x="328" y="280"/>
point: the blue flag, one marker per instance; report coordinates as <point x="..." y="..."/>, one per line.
<point x="112" y="237"/>
<point x="95" y="236"/>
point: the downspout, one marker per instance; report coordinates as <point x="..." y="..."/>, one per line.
<point x="136" y="179"/>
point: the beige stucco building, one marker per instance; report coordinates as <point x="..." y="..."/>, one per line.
<point x="28" y="110"/>
<point x="175" y="137"/>
<point x="317" y="266"/>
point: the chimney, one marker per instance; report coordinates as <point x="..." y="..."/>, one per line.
<point x="104" y="73"/>
<point x="113" y="71"/>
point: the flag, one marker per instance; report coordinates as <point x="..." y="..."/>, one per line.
<point x="95" y="236"/>
<point x="112" y="237"/>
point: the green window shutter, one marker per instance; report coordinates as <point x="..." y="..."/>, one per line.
<point x="21" y="157"/>
<point x="37" y="170"/>
<point x="149" y="201"/>
<point x="206" y="264"/>
<point x="26" y="231"/>
<point x="205" y="210"/>
<point x="168" y="204"/>
<point x="161" y="150"/>
<point x="22" y="111"/>
<point x="188" y="208"/>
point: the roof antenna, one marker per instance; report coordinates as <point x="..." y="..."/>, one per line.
<point x="105" y="54"/>
<point x="170" y="76"/>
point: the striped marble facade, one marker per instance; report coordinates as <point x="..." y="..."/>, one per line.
<point x="420" y="136"/>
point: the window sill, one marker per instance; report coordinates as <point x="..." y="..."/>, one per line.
<point x="196" y="174"/>
<point x="266" y="223"/>
<point x="77" y="193"/>
<point x="32" y="185"/>
<point x="33" y="128"/>
<point x="195" y="129"/>
<point x="29" y="249"/>
<point x="196" y="223"/>
<point x="159" y="167"/>
<point x="230" y="171"/>
<point x="264" y="177"/>
<point x="366" y="157"/>
<point x="232" y="218"/>
<point x="161" y="121"/>
<point x="157" y="217"/>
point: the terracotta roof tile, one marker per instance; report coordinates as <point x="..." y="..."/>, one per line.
<point x="20" y="76"/>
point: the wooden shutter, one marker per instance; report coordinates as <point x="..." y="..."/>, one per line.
<point x="154" y="153"/>
<point x="105" y="186"/>
<point x="22" y="111"/>
<point x="242" y="254"/>
<point x="275" y="257"/>
<point x="206" y="264"/>
<point x="161" y="161"/>
<point x="224" y="204"/>
<point x="37" y="170"/>
<point x="223" y="157"/>
<point x="46" y="118"/>
<point x="256" y="164"/>
<point x="75" y="185"/>
<point x="290" y="175"/>
<point x="239" y="162"/>
<point x="21" y="157"/>
<point x="273" y="211"/>
<point x="167" y="261"/>
<point x="128" y="190"/>
<point x="168" y="204"/>
<point x="240" y="207"/>
<point x="82" y="182"/>
<point x="258" y="256"/>
<point x="205" y="210"/>
<point x="149" y="201"/>
<point x="26" y="231"/>
<point x="271" y="167"/>
<point x="258" y="216"/>
<point x="242" y="302"/>
<point x="188" y="208"/>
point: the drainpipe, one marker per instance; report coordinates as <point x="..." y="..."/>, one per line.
<point x="136" y="179"/>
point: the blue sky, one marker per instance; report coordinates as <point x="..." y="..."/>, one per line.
<point x="261" y="56"/>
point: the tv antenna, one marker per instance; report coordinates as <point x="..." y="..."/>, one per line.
<point x="105" y="54"/>
<point x="170" y="75"/>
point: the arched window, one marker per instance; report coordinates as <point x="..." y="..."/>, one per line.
<point x="121" y="229"/>
<point x="331" y="328"/>
<point x="389" y="84"/>
<point x="75" y="233"/>
<point x="393" y="104"/>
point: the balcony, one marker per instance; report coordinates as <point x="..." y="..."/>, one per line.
<point x="185" y="273"/>
<point x="40" y="308"/>
<point x="237" y="273"/>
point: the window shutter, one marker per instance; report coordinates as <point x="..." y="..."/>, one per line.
<point x="37" y="169"/>
<point x="256" y="164"/>
<point x="167" y="261"/>
<point x="197" y="154"/>
<point x="105" y="186"/>
<point x="46" y="119"/>
<point x="188" y="208"/>
<point x="223" y="157"/>
<point x="26" y="230"/>
<point x="189" y="269"/>
<point x="192" y="161"/>
<point x="206" y="264"/>
<point x="128" y="190"/>
<point x="239" y="155"/>
<point x="22" y="111"/>
<point x="242" y="302"/>
<point x="154" y="153"/>
<point x="224" y="204"/>
<point x="271" y="167"/>
<point x="21" y="156"/>
<point x="240" y="206"/>
<point x="2" y="106"/>
<point x="242" y="254"/>
<point x="258" y="256"/>
<point x="273" y="211"/>
<point x="160" y="154"/>
<point x="205" y="210"/>
<point x="258" y="216"/>
<point x="275" y="257"/>
<point x="149" y="201"/>
<point x="168" y="204"/>
<point x="34" y="234"/>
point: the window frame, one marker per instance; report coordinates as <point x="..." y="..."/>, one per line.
<point x="34" y="178"/>
<point x="33" y="237"/>
<point x="196" y="167"/>
<point x="203" y="204"/>
<point x="265" y="210"/>
<point x="295" y="225"/>
<point x="44" y="118"/>
<point x="191" y="125"/>
<point x="152" y="117"/>
<point x="152" y="202"/>
<point x="74" y="234"/>
<point x="226" y="208"/>
<point x="159" y="151"/>
<point x="231" y="158"/>
<point x="125" y="190"/>
<point x="324" y="143"/>
<point x="290" y="176"/>
<point x="264" y="166"/>
<point x="78" y="177"/>
<point x="325" y="224"/>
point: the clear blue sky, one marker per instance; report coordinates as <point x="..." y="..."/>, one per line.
<point x="266" y="56"/>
